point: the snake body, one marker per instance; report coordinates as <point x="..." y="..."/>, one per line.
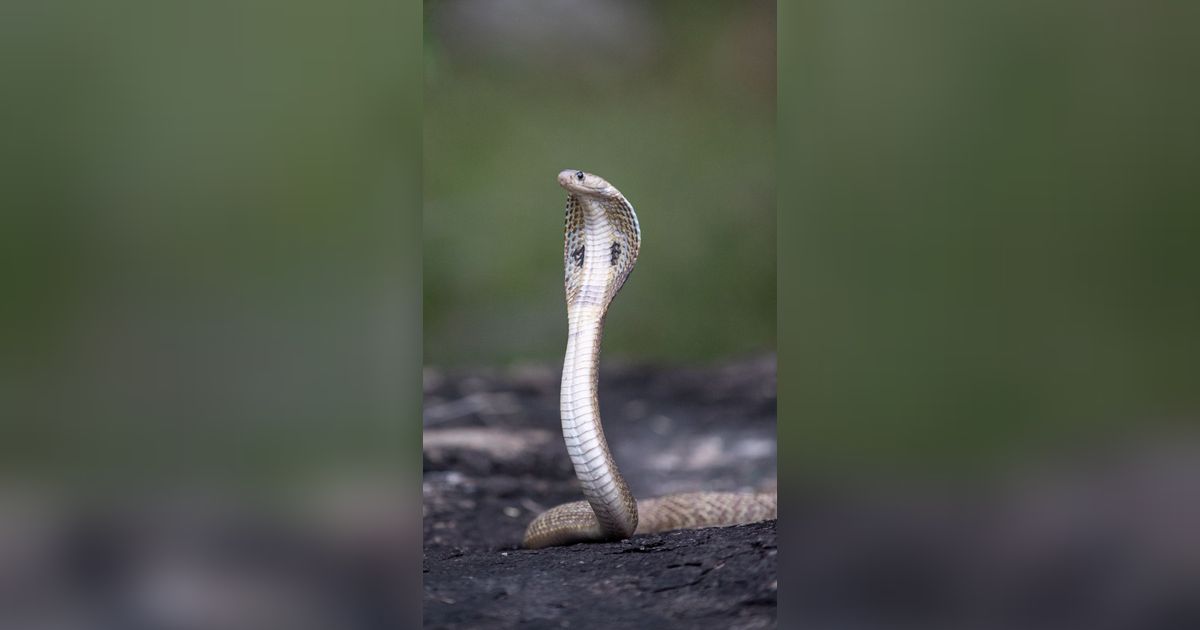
<point x="601" y="242"/>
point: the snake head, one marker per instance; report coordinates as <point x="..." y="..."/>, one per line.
<point x="596" y="207"/>
<point x="582" y="183"/>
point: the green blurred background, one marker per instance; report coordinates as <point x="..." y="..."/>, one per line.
<point x="209" y="314"/>
<point x="210" y="246"/>
<point x="993" y="232"/>
<point x="210" y="241"/>
<point x="672" y="102"/>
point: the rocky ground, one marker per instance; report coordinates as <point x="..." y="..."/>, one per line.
<point x="494" y="459"/>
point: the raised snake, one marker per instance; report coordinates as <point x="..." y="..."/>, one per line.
<point x="601" y="242"/>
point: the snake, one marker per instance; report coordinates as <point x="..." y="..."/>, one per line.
<point x="601" y="241"/>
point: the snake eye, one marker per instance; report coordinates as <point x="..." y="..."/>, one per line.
<point x="579" y="175"/>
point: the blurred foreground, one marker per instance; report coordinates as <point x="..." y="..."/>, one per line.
<point x="340" y="557"/>
<point x="1105" y="541"/>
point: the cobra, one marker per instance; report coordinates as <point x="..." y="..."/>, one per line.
<point x="601" y="242"/>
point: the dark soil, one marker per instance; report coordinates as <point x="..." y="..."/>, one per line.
<point x="1099" y="537"/>
<point x="494" y="459"/>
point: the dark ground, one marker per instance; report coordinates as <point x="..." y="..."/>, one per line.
<point x="1102" y="538"/>
<point x="494" y="459"/>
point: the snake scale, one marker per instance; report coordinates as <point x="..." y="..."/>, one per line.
<point x="601" y="243"/>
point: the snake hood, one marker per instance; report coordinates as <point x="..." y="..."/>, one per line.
<point x="601" y="239"/>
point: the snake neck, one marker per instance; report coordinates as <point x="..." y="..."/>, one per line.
<point x="602" y="484"/>
<point x="595" y="276"/>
